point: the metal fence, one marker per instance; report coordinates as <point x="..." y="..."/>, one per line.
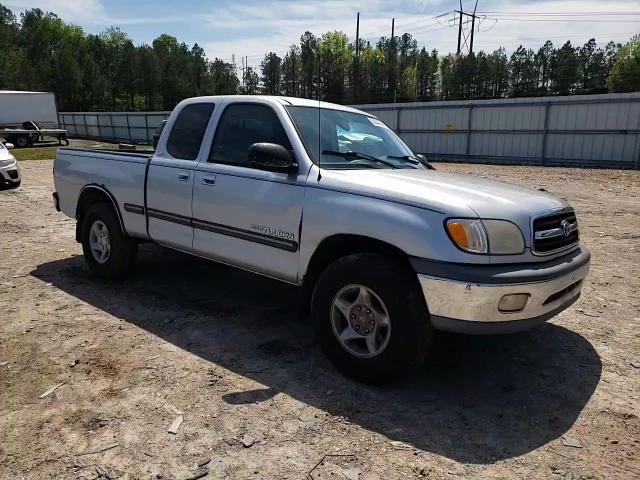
<point x="586" y="130"/>
<point x="126" y="127"/>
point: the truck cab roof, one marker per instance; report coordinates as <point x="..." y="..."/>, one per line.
<point x="282" y="100"/>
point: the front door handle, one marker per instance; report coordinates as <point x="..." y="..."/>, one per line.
<point x="209" y="180"/>
<point x="183" y="177"/>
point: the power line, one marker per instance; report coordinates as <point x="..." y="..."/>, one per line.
<point x="563" y="14"/>
<point x="516" y="19"/>
<point x="466" y="37"/>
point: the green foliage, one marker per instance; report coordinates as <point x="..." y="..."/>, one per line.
<point x="334" y="53"/>
<point x="625" y="72"/>
<point x="564" y="70"/>
<point x="108" y="72"/>
<point x="271" y="73"/>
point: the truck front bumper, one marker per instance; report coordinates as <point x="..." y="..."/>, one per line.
<point x="466" y="298"/>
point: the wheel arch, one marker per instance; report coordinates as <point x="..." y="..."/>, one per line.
<point x="90" y="195"/>
<point x="337" y="246"/>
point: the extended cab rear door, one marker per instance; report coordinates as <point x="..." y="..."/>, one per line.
<point x="171" y="175"/>
<point x="243" y="216"/>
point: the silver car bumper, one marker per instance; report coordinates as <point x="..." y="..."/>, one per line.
<point x="472" y="306"/>
<point x="10" y="174"/>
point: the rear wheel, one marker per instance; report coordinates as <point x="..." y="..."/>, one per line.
<point x="109" y="252"/>
<point x="371" y="318"/>
<point x="22" y="141"/>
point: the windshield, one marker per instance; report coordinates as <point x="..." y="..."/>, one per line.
<point x="349" y="140"/>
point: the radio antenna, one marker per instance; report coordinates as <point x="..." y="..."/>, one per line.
<point x="319" y="124"/>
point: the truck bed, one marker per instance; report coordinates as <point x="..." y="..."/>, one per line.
<point x="120" y="173"/>
<point x="110" y="151"/>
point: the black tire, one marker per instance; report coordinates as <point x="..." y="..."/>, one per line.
<point x="22" y="141"/>
<point x="395" y="284"/>
<point x="123" y="251"/>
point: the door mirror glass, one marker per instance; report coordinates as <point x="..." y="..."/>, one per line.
<point x="272" y="157"/>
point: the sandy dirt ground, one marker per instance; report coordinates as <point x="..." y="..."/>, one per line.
<point x="227" y="352"/>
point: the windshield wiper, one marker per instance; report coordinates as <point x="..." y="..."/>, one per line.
<point x="407" y="158"/>
<point x="413" y="159"/>
<point x="358" y="155"/>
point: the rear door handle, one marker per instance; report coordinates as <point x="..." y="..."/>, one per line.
<point x="209" y="180"/>
<point x="183" y="177"/>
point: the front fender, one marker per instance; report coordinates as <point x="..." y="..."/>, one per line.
<point x="416" y="231"/>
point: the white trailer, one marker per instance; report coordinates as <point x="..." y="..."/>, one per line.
<point x="29" y="117"/>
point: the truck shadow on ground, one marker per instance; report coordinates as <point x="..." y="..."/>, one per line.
<point x="477" y="400"/>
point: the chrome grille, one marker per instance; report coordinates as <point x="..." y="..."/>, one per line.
<point x="555" y="232"/>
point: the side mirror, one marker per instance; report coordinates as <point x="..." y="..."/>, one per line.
<point x="9" y="146"/>
<point x="272" y="157"/>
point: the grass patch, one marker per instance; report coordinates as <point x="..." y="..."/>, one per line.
<point x="37" y="153"/>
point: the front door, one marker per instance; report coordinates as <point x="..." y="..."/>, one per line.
<point x="171" y="175"/>
<point x="242" y="216"/>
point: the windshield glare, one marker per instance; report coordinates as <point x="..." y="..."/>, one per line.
<point x="341" y="131"/>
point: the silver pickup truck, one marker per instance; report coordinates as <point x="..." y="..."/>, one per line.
<point x="386" y="249"/>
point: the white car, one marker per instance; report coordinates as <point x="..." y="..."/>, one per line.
<point x="9" y="169"/>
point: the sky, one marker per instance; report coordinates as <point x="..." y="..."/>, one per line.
<point x="254" y="27"/>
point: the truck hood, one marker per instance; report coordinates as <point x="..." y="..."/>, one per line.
<point x="448" y="193"/>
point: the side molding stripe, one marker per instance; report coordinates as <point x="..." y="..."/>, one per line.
<point x="282" y="244"/>
<point x="169" y="217"/>
<point x="279" y="243"/>
<point x="131" y="208"/>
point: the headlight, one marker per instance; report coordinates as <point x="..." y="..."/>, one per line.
<point x="8" y="162"/>
<point x="505" y="238"/>
<point x="496" y="237"/>
<point x="469" y="235"/>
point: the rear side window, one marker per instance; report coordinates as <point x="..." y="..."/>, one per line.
<point x="187" y="132"/>
<point x="241" y="126"/>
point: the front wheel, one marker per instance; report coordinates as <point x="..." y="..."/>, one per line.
<point x="109" y="252"/>
<point x="371" y="318"/>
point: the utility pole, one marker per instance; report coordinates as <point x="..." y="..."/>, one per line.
<point x="356" y="76"/>
<point x="392" y="56"/>
<point x="459" y="27"/>
<point x="393" y="29"/>
<point x="473" y="26"/>
<point x="293" y="71"/>
<point x="461" y="35"/>
<point x="358" y="35"/>
<point x="243" y="72"/>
